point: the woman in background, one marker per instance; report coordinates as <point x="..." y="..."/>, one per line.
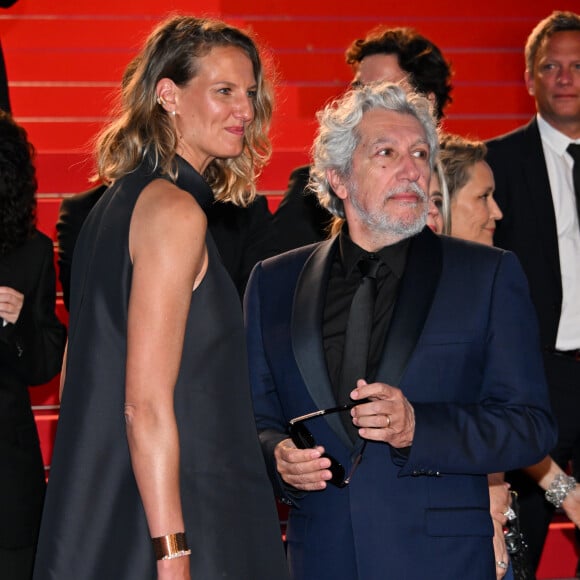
<point x="470" y="183"/>
<point x="157" y="469"/>
<point x="438" y="216"/>
<point x="473" y="213"/>
<point x="473" y="216"/>
<point x="31" y="346"/>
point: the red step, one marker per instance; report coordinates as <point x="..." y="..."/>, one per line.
<point x="387" y="11"/>
<point x="560" y="556"/>
<point x="90" y="8"/>
<point x="113" y="34"/>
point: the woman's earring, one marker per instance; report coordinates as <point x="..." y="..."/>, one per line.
<point x="161" y="101"/>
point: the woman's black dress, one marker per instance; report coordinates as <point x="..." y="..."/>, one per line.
<point x="94" y="524"/>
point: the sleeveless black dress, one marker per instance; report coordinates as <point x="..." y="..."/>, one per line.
<point x="94" y="525"/>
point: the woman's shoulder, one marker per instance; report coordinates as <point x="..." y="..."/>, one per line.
<point x="167" y="220"/>
<point x="166" y="212"/>
<point x="164" y="200"/>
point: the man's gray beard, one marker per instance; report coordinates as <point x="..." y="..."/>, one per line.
<point x="382" y="223"/>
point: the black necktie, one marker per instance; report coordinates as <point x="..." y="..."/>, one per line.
<point x="358" y="336"/>
<point x="574" y="150"/>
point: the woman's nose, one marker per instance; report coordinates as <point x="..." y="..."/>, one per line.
<point x="495" y="211"/>
<point x="244" y="109"/>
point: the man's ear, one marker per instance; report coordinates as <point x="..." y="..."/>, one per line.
<point x="337" y="183"/>
<point x="166" y="95"/>
<point x="529" y="78"/>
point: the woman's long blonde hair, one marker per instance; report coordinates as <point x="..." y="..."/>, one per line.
<point x="144" y="128"/>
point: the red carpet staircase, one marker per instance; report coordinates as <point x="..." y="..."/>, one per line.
<point x="65" y="60"/>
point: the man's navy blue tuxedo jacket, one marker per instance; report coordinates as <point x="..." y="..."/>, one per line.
<point x="463" y="347"/>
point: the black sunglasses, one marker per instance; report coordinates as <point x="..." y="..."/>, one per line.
<point x="303" y="439"/>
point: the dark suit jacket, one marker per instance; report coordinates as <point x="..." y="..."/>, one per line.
<point x="30" y="354"/>
<point x="528" y="227"/>
<point x="72" y="214"/>
<point x="463" y="347"/>
<point x="243" y="236"/>
<point x="300" y="219"/>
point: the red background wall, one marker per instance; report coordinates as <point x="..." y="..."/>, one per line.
<point x="65" y="60"/>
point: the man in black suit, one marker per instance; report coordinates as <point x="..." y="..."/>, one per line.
<point x="385" y="54"/>
<point x="243" y="235"/>
<point x="73" y="212"/>
<point x="533" y="169"/>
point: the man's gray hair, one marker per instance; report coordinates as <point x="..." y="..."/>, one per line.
<point x="338" y="135"/>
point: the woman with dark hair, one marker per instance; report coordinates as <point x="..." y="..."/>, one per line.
<point x="156" y="438"/>
<point x="31" y="346"/>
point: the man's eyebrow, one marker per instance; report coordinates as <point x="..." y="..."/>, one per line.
<point x="382" y="141"/>
<point x="391" y="141"/>
<point x="422" y="141"/>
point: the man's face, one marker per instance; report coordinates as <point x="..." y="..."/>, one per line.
<point x="379" y="67"/>
<point x="555" y="81"/>
<point x="385" y="196"/>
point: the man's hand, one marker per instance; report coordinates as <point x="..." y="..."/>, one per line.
<point x="304" y="469"/>
<point x="388" y="417"/>
<point x="11" y="302"/>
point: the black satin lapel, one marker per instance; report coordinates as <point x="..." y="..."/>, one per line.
<point x="414" y="300"/>
<point x="307" y="333"/>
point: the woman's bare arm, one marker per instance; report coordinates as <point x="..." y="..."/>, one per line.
<point x="167" y="246"/>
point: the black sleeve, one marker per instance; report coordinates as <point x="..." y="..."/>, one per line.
<point x="260" y="241"/>
<point x="243" y="236"/>
<point x="300" y="220"/>
<point x="34" y="346"/>
<point x="73" y="213"/>
<point x="67" y="231"/>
